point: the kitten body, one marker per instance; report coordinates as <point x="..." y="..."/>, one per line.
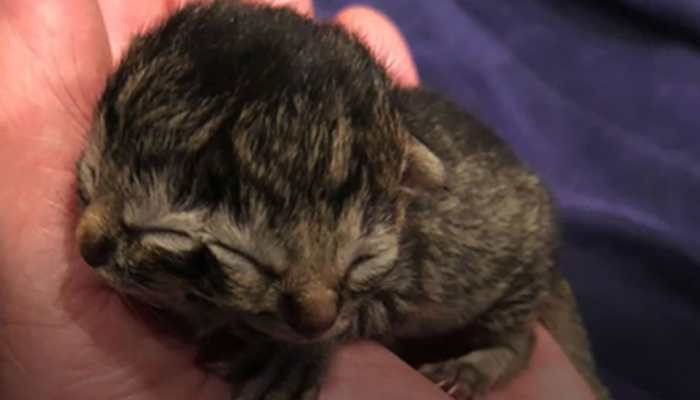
<point x="259" y="177"/>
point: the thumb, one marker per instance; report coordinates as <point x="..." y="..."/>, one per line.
<point x="59" y="59"/>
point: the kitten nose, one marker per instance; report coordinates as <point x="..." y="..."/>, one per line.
<point x="96" y="245"/>
<point x="96" y="250"/>
<point x="312" y="313"/>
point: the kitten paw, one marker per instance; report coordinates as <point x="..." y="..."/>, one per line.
<point x="274" y="373"/>
<point x="287" y="389"/>
<point x="459" y="380"/>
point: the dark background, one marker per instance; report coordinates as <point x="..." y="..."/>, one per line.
<point x="602" y="99"/>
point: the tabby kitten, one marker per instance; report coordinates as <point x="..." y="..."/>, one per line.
<point x="259" y="177"/>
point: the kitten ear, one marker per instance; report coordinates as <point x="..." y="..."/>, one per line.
<point x="423" y="171"/>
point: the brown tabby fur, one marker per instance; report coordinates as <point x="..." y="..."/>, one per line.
<point x="259" y="177"/>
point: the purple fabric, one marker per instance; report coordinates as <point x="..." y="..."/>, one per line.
<point x="602" y="98"/>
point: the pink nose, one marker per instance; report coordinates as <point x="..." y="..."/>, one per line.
<point x="310" y="316"/>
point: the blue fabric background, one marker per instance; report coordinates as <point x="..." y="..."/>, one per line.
<point x="602" y="98"/>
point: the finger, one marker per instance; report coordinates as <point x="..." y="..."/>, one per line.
<point x="383" y="39"/>
<point x="59" y="57"/>
<point x="50" y="38"/>
<point x="124" y="18"/>
<point x="303" y="7"/>
<point x="368" y="371"/>
<point x="56" y="59"/>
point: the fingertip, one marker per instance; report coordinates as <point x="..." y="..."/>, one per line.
<point x="384" y="40"/>
<point x="366" y="370"/>
<point x="124" y="18"/>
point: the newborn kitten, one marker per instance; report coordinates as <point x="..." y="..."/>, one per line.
<point x="259" y="177"/>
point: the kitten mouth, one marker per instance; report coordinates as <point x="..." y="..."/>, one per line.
<point x="291" y="337"/>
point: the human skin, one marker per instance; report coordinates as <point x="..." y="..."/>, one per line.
<point x="63" y="334"/>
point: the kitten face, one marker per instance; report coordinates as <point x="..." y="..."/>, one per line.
<point x="294" y="271"/>
<point x="259" y="178"/>
<point x="223" y="190"/>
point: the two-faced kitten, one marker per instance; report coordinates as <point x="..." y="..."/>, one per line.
<point x="259" y="176"/>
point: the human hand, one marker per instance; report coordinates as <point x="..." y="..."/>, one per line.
<point x="63" y="335"/>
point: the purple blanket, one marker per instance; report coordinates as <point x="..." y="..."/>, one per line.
<point x="602" y="98"/>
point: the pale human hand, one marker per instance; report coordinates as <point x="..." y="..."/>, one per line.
<point x="62" y="334"/>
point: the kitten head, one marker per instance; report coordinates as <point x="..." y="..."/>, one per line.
<point x="256" y="180"/>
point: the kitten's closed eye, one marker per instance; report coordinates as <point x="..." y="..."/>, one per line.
<point x="179" y="253"/>
<point x="169" y="239"/>
<point x="240" y="261"/>
<point x="367" y="269"/>
<point x="361" y="259"/>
